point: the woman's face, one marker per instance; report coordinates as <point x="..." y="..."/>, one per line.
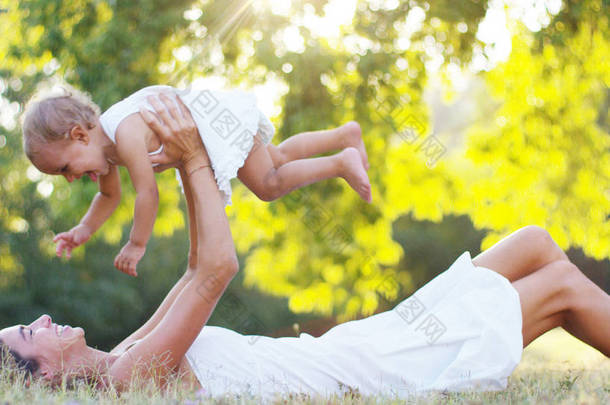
<point x="51" y="344"/>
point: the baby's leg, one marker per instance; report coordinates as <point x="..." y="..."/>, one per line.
<point x="269" y="183"/>
<point x="313" y="143"/>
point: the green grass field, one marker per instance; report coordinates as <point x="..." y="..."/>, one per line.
<point x="556" y="369"/>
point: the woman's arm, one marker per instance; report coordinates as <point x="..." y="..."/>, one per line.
<point x="161" y="351"/>
<point x="188" y="194"/>
<point x="171" y="296"/>
<point x="186" y="125"/>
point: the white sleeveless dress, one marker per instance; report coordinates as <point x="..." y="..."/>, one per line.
<point x="227" y="122"/>
<point x="461" y="331"/>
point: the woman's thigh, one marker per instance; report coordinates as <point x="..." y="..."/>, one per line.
<point x="521" y="253"/>
<point x="545" y="298"/>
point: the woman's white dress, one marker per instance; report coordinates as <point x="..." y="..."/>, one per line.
<point x="227" y="122"/>
<point x="460" y="331"/>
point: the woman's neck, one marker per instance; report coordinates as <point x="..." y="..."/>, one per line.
<point x="92" y="363"/>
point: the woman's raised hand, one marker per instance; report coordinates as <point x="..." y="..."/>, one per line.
<point x="176" y="129"/>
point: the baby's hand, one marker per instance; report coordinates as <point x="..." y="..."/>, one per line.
<point x="71" y="239"/>
<point x="128" y="258"/>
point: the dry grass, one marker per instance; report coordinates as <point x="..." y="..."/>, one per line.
<point x="556" y="369"/>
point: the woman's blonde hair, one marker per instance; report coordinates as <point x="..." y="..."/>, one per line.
<point x="51" y="114"/>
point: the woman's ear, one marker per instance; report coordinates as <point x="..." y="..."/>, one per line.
<point x="45" y="372"/>
<point x="78" y="133"/>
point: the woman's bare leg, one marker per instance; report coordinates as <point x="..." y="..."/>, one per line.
<point x="520" y="253"/>
<point x="559" y="294"/>
<point x="552" y="290"/>
<point x="270" y="183"/>
<point x="308" y="144"/>
<point x="588" y="317"/>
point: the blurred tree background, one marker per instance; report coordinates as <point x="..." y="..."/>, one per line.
<point x="479" y="117"/>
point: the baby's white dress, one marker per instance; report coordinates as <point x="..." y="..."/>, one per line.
<point x="227" y="122"/>
<point x="461" y="331"/>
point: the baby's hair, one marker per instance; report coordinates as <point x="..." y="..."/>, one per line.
<point x="51" y="114"/>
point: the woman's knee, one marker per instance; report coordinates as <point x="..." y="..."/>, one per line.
<point x="536" y="235"/>
<point x="541" y="239"/>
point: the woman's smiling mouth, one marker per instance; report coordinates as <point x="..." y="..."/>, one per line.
<point x="59" y="329"/>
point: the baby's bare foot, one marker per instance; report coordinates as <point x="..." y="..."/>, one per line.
<point x="352" y="135"/>
<point x="354" y="173"/>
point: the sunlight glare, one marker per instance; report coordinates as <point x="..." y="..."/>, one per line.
<point x="269" y="95"/>
<point x="45" y="188"/>
<point x="211" y="82"/>
<point x="192" y="14"/>
<point x="183" y="53"/>
<point x="293" y="40"/>
<point x="494" y="32"/>
<point x="8" y="113"/>
<point x="33" y="174"/>
<point x="279" y="7"/>
<point x="337" y="13"/>
<point x="494" y="28"/>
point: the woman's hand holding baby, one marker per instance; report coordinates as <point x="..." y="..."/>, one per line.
<point x="175" y="127"/>
<point x="66" y="241"/>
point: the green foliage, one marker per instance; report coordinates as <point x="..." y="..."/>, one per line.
<point x="551" y="133"/>
<point x="302" y="247"/>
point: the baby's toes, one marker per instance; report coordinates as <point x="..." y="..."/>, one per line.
<point x="365" y="192"/>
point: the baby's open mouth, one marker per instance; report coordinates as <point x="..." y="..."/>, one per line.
<point x="92" y="176"/>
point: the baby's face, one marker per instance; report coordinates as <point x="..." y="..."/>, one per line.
<point x="73" y="159"/>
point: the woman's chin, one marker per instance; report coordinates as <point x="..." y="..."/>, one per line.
<point x="73" y="333"/>
<point x="77" y="332"/>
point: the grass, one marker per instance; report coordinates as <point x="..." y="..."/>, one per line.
<point x="555" y="369"/>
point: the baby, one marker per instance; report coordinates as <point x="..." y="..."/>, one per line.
<point x="66" y="135"/>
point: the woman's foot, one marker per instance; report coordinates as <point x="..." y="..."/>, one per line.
<point x="354" y="173"/>
<point x="352" y="136"/>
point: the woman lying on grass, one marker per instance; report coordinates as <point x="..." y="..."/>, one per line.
<point x="463" y="330"/>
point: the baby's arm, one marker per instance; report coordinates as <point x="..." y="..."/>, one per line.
<point x="132" y="150"/>
<point x="103" y="205"/>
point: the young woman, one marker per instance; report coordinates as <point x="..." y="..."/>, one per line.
<point x="465" y="329"/>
